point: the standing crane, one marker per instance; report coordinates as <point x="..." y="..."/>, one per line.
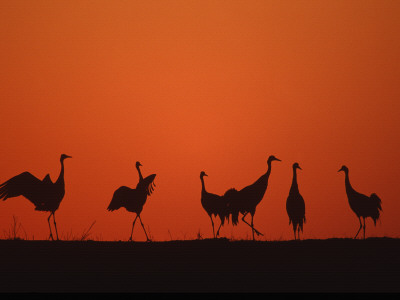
<point x="362" y="205"/>
<point x="134" y="199"/>
<point x="246" y="200"/>
<point x="44" y="194"/>
<point x="295" y="206"/>
<point x="214" y="205"/>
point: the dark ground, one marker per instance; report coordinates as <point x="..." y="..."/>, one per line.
<point x="333" y="265"/>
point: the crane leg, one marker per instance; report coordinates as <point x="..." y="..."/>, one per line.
<point x="212" y="224"/>
<point x="252" y="227"/>
<point x="140" y="219"/>
<point x="133" y="225"/>
<point x="364" y="227"/>
<point x="55" y="224"/>
<point x="359" y="228"/>
<point x="219" y="229"/>
<point x="48" y="221"/>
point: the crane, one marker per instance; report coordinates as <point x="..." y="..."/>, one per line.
<point x="295" y="206"/>
<point x="362" y="205"/>
<point x="214" y="205"/>
<point x="44" y="194"/>
<point x="134" y="199"/>
<point x="246" y="200"/>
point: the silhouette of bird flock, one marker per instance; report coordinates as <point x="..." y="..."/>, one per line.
<point x="47" y="196"/>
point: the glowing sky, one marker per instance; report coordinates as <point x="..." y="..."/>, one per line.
<point x="187" y="86"/>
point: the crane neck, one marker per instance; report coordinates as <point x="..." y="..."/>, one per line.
<point x="263" y="180"/>
<point x="60" y="179"/>
<point x="203" y="187"/>
<point x="269" y="169"/>
<point x="349" y="188"/>
<point x="140" y="173"/>
<point x="295" y="186"/>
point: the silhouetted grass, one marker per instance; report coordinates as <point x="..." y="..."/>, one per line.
<point x="14" y="231"/>
<point x="84" y="236"/>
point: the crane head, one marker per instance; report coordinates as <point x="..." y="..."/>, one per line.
<point x="271" y="158"/>
<point x="344" y="168"/>
<point x="138" y="164"/>
<point x="64" y="156"/>
<point x="296" y="166"/>
<point x="202" y="174"/>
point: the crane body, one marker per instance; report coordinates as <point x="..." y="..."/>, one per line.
<point x="44" y="194"/>
<point x="362" y="205"/>
<point x="214" y="205"/>
<point x="246" y="200"/>
<point x="133" y="200"/>
<point x="295" y="206"/>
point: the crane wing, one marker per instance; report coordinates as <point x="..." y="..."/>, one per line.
<point x="47" y="179"/>
<point x="147" y="184"/>
<point x="24" y="184"/>
<point x="302" y="208"/>
<point x="120" y="196"/>
<point x="295" y="207"/>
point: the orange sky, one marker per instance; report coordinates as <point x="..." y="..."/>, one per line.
<point x="186" y="86"/>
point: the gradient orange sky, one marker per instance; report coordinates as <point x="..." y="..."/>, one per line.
<point x="187" y="86"/>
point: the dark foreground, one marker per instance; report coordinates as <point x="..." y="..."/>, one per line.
<point x="333" y="265"/>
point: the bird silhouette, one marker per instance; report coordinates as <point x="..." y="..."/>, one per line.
<point x="134" y="199"/>
<point x="295" y="206"/>
<point x="362" y="205"/>
<point x="214" y="205"/>
<point x="44" y="194"/>
<point x="246" y="200"/>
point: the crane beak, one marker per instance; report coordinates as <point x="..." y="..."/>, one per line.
<point x="300" y="168"/>
<point x="277" y="159"/>
<point x="67" y="156"/>
<point x="341" y="169"/>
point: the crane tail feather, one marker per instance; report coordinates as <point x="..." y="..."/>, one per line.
<point x="377" y="201"/>
<point x="231" y="199"/>
<point x="377" y="207"/>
